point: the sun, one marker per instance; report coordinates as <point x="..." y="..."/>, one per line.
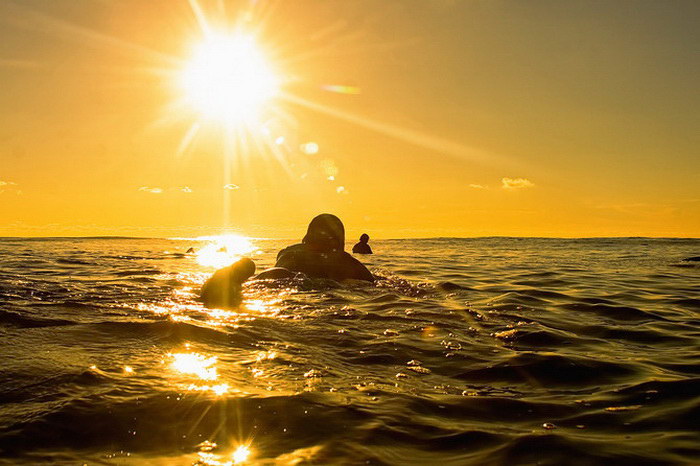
<point x="227" y="78"/>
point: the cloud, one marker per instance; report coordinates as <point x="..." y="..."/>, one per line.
<point x="640" y="209"/>
<point x="231" y="186"/>
<point x="341" y="190"/>
<point x="516" y="183"/>
<point x="186" y="189"/>
<point x="477" y="186"/>
<point x="148" y="189"/>
<point x="9" y="187"/>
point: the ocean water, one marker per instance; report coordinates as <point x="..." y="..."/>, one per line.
<point x="467" y="351"/>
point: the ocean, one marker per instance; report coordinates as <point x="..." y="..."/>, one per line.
<point x="467" y="351"/>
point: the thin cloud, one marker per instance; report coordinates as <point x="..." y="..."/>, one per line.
<point x="477" y="186"/>
<point x="9" y="187"/>
<point x="148" y="189"/>
<point x="20" y="64"/>
<point x="516" y="183"/>
<point x="231" y="186"/>
<point x="640" y="208"/>
<point x="186" y="189"/>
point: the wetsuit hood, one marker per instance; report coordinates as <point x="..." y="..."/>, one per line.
<point x="326" y="233"/>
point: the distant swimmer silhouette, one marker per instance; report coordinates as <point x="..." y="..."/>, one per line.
<point x="320" y="254"/>
<point x="223" y="289"/>
<point x="362" y="247"/>
<point x="190" y="251"/>
<point x="692" y="259"/>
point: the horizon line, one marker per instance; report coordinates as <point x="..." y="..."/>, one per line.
<point x="184" y="238"/>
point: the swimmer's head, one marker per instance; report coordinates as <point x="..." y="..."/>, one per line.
<point x="242" y="270"/>
<point x="364" y="238"/>
<point x="325" y="234"/>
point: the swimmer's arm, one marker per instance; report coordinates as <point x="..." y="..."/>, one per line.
<point x="274" y="273"/>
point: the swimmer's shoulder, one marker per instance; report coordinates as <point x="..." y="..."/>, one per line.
<point x="362" y="248"/>
<point x="354" y="268"/>
<point x="293" y="249"/>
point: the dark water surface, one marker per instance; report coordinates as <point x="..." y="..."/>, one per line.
<point x="471" y="351"/>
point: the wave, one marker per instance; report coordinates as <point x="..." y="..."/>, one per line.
<point x="480" y="351"/>
<point x="615" y="312"/>
<point x="551" y="370"/>
<point x="22" y="320"/>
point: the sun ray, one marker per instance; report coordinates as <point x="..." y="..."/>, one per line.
<point x="222" y="7"/>
<point x="200" y="17"/>
<point x="28" y="18"/>
<point x="229" y="154"/>
<point x="228" y="82"/>
<point x="187" y="139"/>
<point x="259" y="15"/>
<point x="412" y="137"/>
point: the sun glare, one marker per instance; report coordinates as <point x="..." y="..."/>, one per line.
<point x="227" y="78"/>
<point x="194" y="364"/>
<point x="241" y="454"/>
<point x="223" y="250"/>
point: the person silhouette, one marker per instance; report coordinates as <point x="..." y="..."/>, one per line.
<point x="321" y="254"/>
<point x="362" y="247"/>
<point x="223" y="289"/>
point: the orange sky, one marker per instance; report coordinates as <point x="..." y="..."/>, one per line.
<point x="543" y="118"/>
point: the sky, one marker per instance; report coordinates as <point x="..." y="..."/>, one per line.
<point x="406" y="118"/>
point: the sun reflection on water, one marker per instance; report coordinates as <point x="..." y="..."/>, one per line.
<point x="194" y="364"/>
<point x="223" y="250"/>
<point x="262" y="306"/>
<point x="218" y="390"/>
<point x="193" y="371"/>
<point x="239" y="456"/>
<point x="183" y="308"/>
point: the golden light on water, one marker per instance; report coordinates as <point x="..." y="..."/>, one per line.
<point x="196" y="369"/>
<point x="240" y="454"/>
<point x="194" y="364"/>
<point x="228" y="78"/>
<point x="223" y="250"/>
<point x="219" y="389"/>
